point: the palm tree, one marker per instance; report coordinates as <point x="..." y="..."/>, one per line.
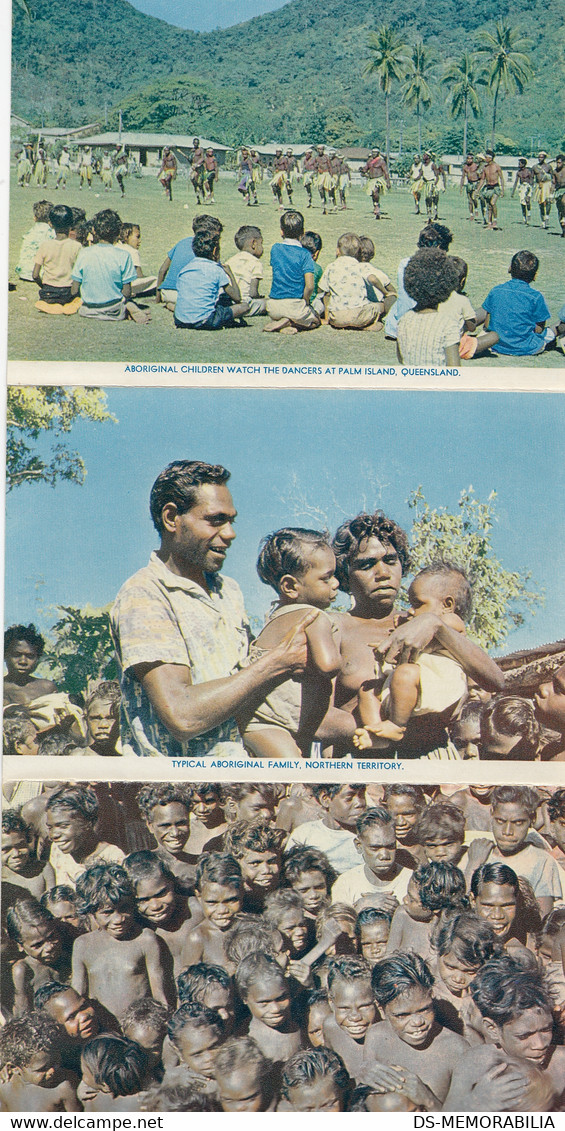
<point x="388" y="61"/>
<point x="463" y="77"/>
<point x="416" y="90"/>
<point x="509" y="66"/>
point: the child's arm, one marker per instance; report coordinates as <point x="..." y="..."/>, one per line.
<point x="75" y="287"/>
<point x="161" y="275"/>
<point x="454" y="622"/>
<point x="254" y="288"/>
<point x="322" y="649"/>
<point x="126" y="291"/>
<point x="394" y="941"/>
<point x="514" y="187"/>
<point x="308" y="286"/>
<point x="193" y="948"/>
<point x="155" y="971"/>
<point x="452" y="355"/>
<point x="36" y="274"/>
<point x="399" y="353"/>
<point x="23" y="991"/>
<point x="231" y="288"/>
<point x="69" y="1097"/>
<point x="79" y="975"/>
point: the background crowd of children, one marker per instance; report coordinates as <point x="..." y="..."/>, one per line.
<point x="94" y="268"/>
<point x="254" y="947"/>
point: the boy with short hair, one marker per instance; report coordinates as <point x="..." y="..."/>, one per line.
<point x="178" y="257"/>
<point x="45" y="952"/>
<point x="343" y="285"/>
<point x="288" y="304"/>
<point x="334" y="833"/>
<point x="372" y="930"/>
<point x="103" y="274"/>
<point x="249" y="801"/>
<point x="21" y="870"/>
<point x="204" y="285"/>
<point x="244" y="1076"/>
<point x="246" y="267"/>
<point x="380" y="877"/>
<point x="315" y="1080"/>
<point x="517" y="312"/>
<point x="54" y="261"/>
<point x="71" y="816"/>
<point x="197" y="1032"/>
<point x="441" y="831"/>
<point x="219" y="890"/>
<point x="354" y="1010"/>
<point x="257" y="847"/>
<point x="160" y="901"/>
<point x="165" y="808"/>
<point x="267" y="994"/>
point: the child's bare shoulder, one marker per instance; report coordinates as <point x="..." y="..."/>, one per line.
<point x="450" y="1044"/>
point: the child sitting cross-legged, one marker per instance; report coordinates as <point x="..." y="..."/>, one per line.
<point x="288" y="305"/>
<point x="343" y="285"/>
<point x="103" y="274"/>
<point x="246" y="268"/>
<point x="208" y="297"/>
<point x="54" y="261"/>
<point x="516" y="312"/>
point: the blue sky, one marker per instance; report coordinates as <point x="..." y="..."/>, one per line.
<point x="337" y="451"/>
<point x="205" y="15"/>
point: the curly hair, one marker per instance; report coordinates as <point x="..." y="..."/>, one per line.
<point x="522" y="795"/>
<point x="430" y="277"/>
<point x="556" y="805"/>
<point x="140" y="865"/>
<point x="470" y="938"/>
<point x="145" y="1011"/>
<point x="193" y="981"/>
<point x="302" y="858"/>
<point x="13" y="822"/>
<point x="308" y="1065"/>
<point x="26" y="632"/>
<point x="106" y="225"/>
<point x="440" y="820"/>
<point x="101" y="885"/>
<point x="162" y="793"/>
<point x="441" y="887"/>
<point x="511" y="716"/>
<point x="503" y="989"/>
<point x="116" y="1063"/>
<point x="178" y="483"/>
<point x="79" y="799"/>
<point x="288" y="551"/>
<point x="278" y="903"/>
<point x="435" y="235"/>
<point x="192" y="1013"/>
<point x="351" y="534"/>
<point x="27" y="912"/>
<point x="218" y="868"/>
<point x="250" y="934"/>
<point x="21" y="1038"/>
<point x="252" y="836"/>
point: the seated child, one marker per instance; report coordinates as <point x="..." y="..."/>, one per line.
<point x="46" y="953"/>
<point x="288" y="305"/>
<point x="509" y="729"/>
<point x="462" y="944"/>
<point x="30" y="1067"/>
<point x="219" y="891"/>
<point x="310" y="875"/>
<point x="249" y="801"/>
<point x="54" y="261"/>
<point x="120" y="961"/>
<point x="246" y="267"/>
<point x="343" y="285"/>
<point x="203" y="286"/>
<point x="382" y="286"/>
<point x="372" y="929"/>
<point x="433" y="235"/>
<point x="207" y="820"/>
<point x="517" y="1020"/>
<point x="299" y="564"/>
<point x="40" y="231"/>
<point x="71" y="815"/>
<point x="145" y="1023"/>
<point x="21" y="870"/>
<point x="380" y="876"/>
<point x="441" y="831"/>
<point x="318" y="1009"/>
<point x="23" y="649"/>
<point x="111" y="1067"/>
<point x="334" y="833"/>
<point x="165" y="808"/>
<point x="513" y="812"/>
<point x="178" y="257"/>
<point x="426" y="335"/>
<point x="497" y="897"/>
<point x="130" y="240"/>
<point x="257" y="848"/>
<point x="410" y="1052"/>
<point x="103" y="274"/>
<point x="267" y="994"/>
<point x="312" y="241"/>
<point x="160" y="902"/>
<point x="460" y="306"/>
<point x="197" y="1033"/>
<point x="433" y="888"/>
<point x="517" y="312"/>
<point x="314" y="1080"/>
<point x="435" y="683"/>
<point x="243" y="1076"/>
<point x="353" y="1010"/>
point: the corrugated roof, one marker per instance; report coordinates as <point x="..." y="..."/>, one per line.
<point x="150" y="141"/>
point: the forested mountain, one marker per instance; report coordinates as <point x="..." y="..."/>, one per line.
<point x="295" y="73"/>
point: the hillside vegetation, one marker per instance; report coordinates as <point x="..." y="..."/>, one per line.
<point x="295" y="73"/>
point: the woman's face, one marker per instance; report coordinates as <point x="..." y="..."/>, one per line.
<point x="375" y="574"/>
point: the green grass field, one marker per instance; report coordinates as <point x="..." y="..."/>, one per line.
<point x="38" y="337"/>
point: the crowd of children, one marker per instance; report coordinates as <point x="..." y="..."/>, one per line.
<point x="260" y="947"/>
<point x="95" y="269"/>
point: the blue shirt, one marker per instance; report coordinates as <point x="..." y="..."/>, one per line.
<point x="515" y="308"/>
<point x="290" y="263"/>
<point x="179" y="255"/>
<point x="198" y="289"/>
<point x="102" y="270"/>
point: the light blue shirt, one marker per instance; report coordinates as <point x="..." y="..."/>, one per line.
<point x="102" y="270"/>
<point x="198" y="289"/>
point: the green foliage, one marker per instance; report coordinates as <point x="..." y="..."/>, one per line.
<point x="33" y="411"/>
<point x="80" y="650"/>
<point x="416" y="91"/>
<point x="387" y="62"/>
<point x="463" y="76"/>
<point x="500" y="596"/>
<point x="509" y="65"/>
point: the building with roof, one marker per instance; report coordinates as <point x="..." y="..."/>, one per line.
<point x="147" y="148"/>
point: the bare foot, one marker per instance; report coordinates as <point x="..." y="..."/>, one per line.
<point x="276" y="325"/>
<point x="137" y="315"/>
<point x="289" y="330"/>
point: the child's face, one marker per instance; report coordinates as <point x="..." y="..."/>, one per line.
<point x="413" y="904"/>
<point x="294" y="930"/>
<point x="528" y="1036"/>
<point x="75" y="1013"/>
<point x="346" y="806"/>
<point x="134" y="238"/>
<point x="510" y="824"/>
<point x="497" y="904"/>
<point x="220" y="998"/>
<point x="374" y="937"/>
<point x="103" y="725"/>
<point x="220" y="904"/>
<point x="42" y="941"/>
<point x="550" y="700"/>
<point x="256" y="247"/>
<point x="353" y="1006"/>
<point x="316" y="1016"/>
<point x="198" y="1048"/>
<point x="156" y="899"/>
<point x="456" y="974"/>
<point x="241" y="1090"/>
<point x="322" y="1094"/>
<point x="412" y="1016"/>
<point x="442" y="850"/>
<point x="170" y="826"/>
<point x="426" y="596"/>
<point x="254" y="807"/>
<point x="41" y="1070"/>
<point x="377" y="845"/>
<point x="260" y="871"/>
<point x="318" y="585"/>
<point x="69" y="831"/>
<point x="405" y="812"/>
<point x="206" y="808"/>
<point x="16" y="851"/>
<point x="149" y="1038"/>
<point x="118" y="920"/>
<point x="558" y="830"/>
<point x="268" y="1000"/>
<point x="312" y="889"/>
<point x="66" y="912"/>
<point x="21" y="659"/>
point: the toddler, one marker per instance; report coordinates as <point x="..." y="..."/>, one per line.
<point x="246" y="267"/>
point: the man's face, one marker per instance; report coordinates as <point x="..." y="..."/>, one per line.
<point x="510" y="824"/>
<point x="377" y="845"/>
<point x="346" y="806"/>
<point x="241" y="1090"/>
<point x="375" y="574"/>
<point x="550" y="700"/>
<point x="75" y="1013"/>
<point x="170" y="826"/>
<point x="203" y="535"/>
<point x="411" y="1016"/>
<point x="353" y="1006"/>
<point x="528" y="1036"/>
